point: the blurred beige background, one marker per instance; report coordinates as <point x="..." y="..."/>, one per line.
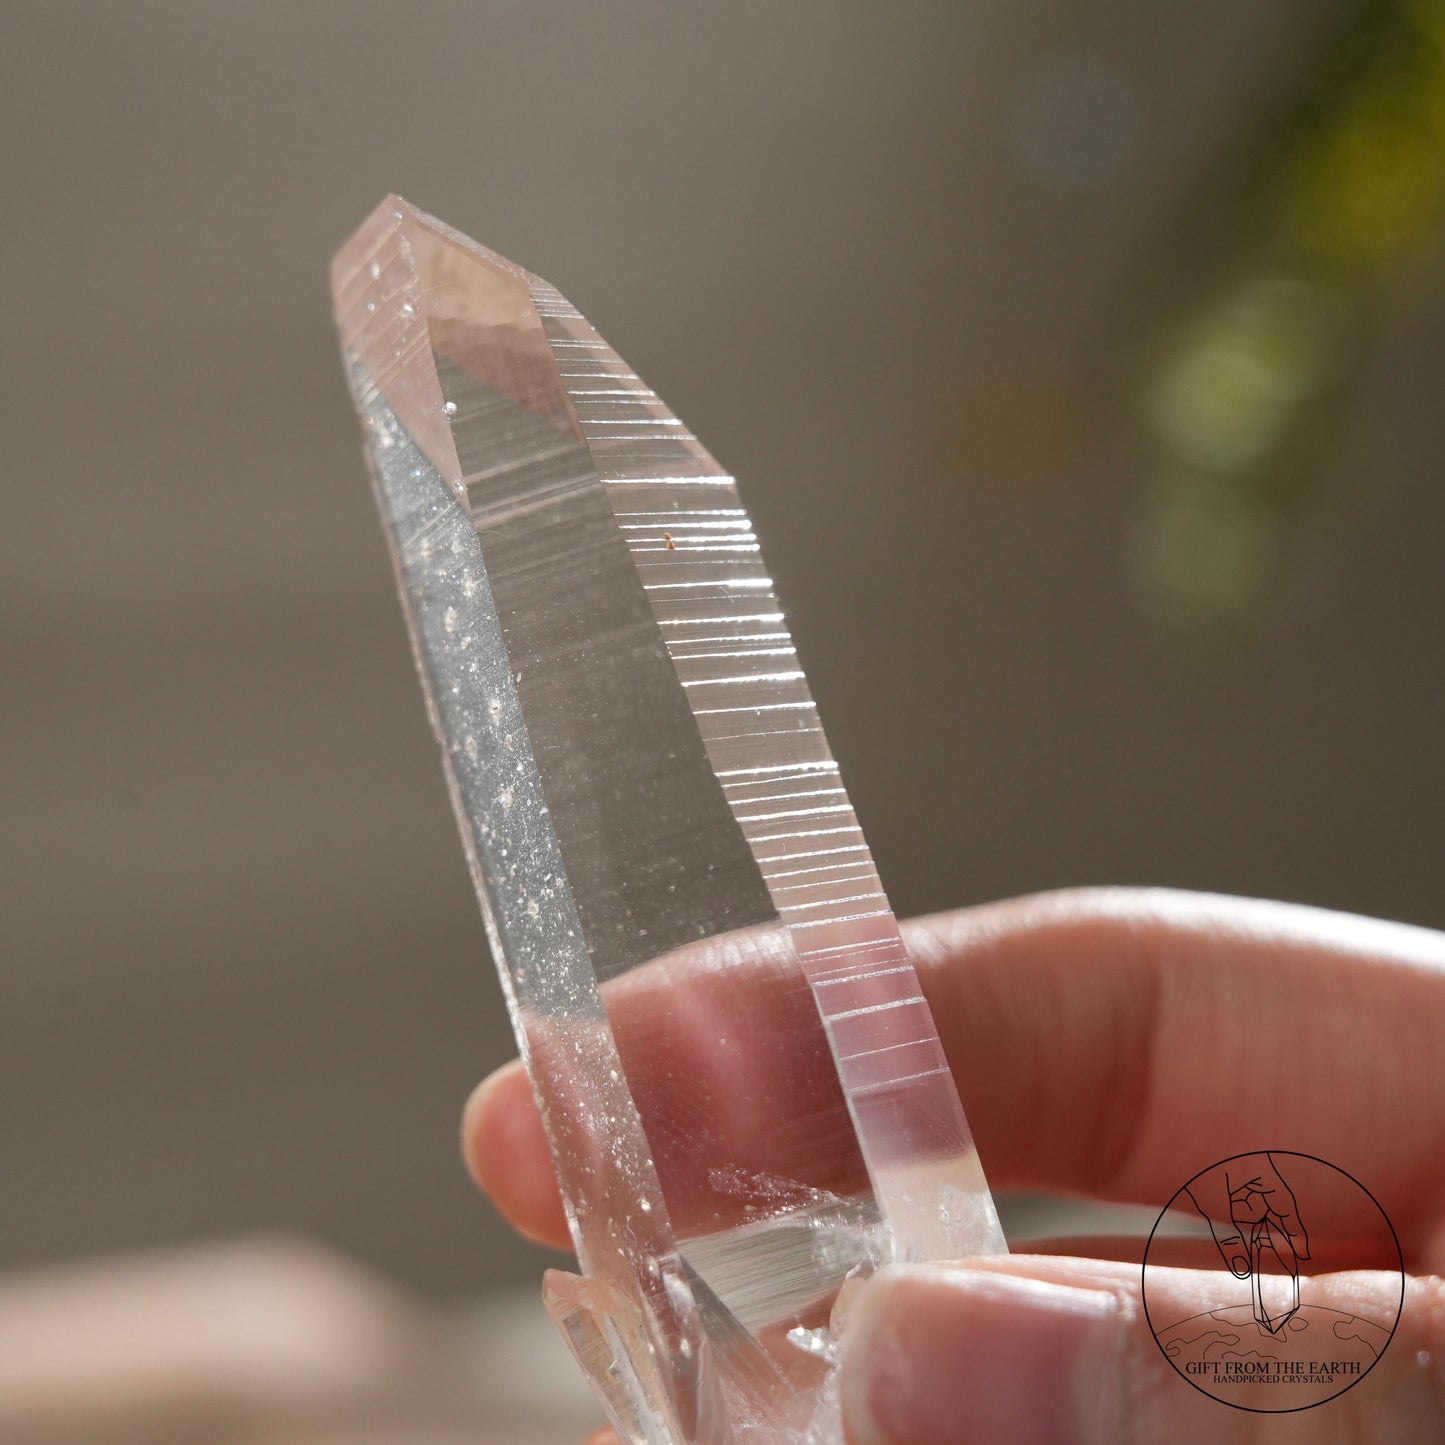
<point x="245" y="985"/>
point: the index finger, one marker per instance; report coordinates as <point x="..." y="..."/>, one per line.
<point x="1110" y="1042"/>
<point x="1286" y="1211"/>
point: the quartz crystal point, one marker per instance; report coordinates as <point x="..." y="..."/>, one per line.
<point x="745" y="1095"/>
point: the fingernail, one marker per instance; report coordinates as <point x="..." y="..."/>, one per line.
<point x="934" y="1356"/>
<point x="1240" y="1265"/>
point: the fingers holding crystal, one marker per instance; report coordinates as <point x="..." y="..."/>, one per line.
<point x="709" y="1043"/>
<point x="1111" y="1000"/>
<point x="1049" y="1350"/>
<point x="1110" y="1041"/>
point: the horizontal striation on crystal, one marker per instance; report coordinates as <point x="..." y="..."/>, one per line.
<point x="740" y="1079"/>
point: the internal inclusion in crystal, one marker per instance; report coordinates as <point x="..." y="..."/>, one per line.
<point x="742" y="1086"/>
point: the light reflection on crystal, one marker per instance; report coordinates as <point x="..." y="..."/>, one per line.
<point x="745" y="1096"/>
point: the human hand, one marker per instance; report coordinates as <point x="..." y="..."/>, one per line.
<point x="1239" y="1197"/>
<point x="1106" y="1043"/>
<point x="1251" y="1212"/>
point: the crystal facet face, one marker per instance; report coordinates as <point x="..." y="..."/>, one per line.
<point x="743" y="1089"/>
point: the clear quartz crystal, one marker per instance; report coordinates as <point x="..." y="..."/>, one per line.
<point x="741" y="1082"/>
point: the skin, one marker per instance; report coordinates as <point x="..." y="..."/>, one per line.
<point x="1111" y="1043"/>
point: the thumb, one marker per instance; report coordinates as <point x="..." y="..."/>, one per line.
<point x="1210" y="1194"/>
<point x="1032" y="1349"/>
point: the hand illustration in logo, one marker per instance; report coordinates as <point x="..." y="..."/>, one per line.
<point x="1255" y="1221"/>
